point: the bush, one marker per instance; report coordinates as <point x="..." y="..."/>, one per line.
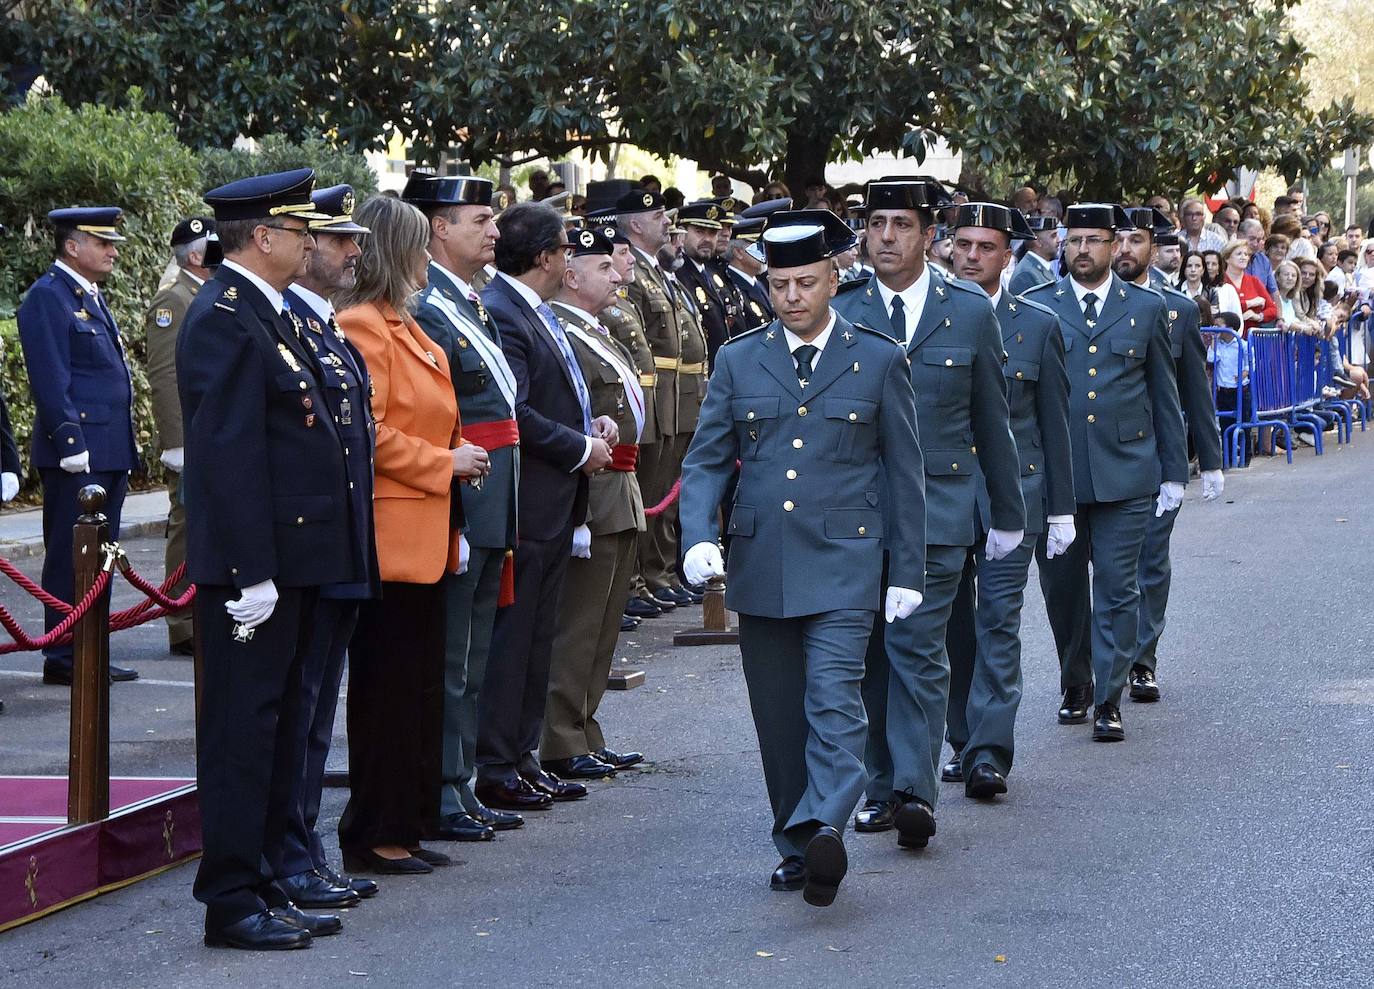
<point x="275" y="153"/>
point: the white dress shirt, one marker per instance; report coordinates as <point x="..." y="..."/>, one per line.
<point x="913" y="300"/>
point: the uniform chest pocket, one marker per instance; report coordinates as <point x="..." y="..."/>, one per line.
<point x="755" y="422"/>
<point x="851" y="420"/>
<point x="87" y="347"/>
<point x="947" y="373"/>
<point x="1132" y="351"/>
<point x="472" y="374"/>
<point x="295" y="388"/>
<point x="1022" y="371"/>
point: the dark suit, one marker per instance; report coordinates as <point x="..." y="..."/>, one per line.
<point x="553" y="500"/>
<point x="254" y="410"/>
<point x="757" y="308"/>
<point x="708" y="296"/>
<point x="82" y="396"/>
<point x="9" y="450"/>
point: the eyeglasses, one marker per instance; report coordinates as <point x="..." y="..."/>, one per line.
<point x="303" y="231"/>
<point x="1076" y="242"/>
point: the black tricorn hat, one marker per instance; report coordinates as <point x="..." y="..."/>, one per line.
<point x="1040" y="224"/>
<point x="427" y="190"/>
<point x="994" y="216"/>
<point x="800" y="237"/>
<point x="1149" y="218"/>
<point x="1097" y="216"/>
<point x="918" y="192"/>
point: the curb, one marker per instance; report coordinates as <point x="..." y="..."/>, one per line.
<point x="32" y="546"/>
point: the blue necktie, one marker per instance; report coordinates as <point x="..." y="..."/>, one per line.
<point x="561" y="338"/>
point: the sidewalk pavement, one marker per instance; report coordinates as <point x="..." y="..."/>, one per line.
<point x="145" y="514"/>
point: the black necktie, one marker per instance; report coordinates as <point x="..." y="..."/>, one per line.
<point x="898" y="318"/>
<point x="804" y="355"/>
<point x="1089" y="307"/>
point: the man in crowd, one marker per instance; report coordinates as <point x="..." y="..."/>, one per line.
<point x="1192" y="213"/>
<point x="1127" y="431"/>
<point x="1036" y="266"/>
<point x="83" y="431"/>
<point x="955" y="350"/>
<point x="807" y="537"/>
<point x="1228" y="218"/>
<point x="162" y="324"/>
<point x="1259" y="266"/>
<point x="1167" y="264"/>
<point x="699" y="275"/>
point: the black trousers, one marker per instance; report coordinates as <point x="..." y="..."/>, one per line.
<point x="515" y="691"/>
<point x="395" y="717"/>
<point x="246" y="770"/>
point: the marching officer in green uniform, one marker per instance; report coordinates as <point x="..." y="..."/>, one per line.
<point x="955" y="348"/>
<point x="1132" y="263"/>
<point x="984" y="640"/>
<point x="1036" y="266"/>
<point x="820" y="415"/>
<point x="1127" y="432"/>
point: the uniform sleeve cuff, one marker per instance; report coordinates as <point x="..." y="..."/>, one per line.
<point x="1059" y="519"/>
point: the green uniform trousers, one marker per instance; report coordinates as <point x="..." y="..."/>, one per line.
<point x="180" y="628"/>
<point x="1154" y="575"/>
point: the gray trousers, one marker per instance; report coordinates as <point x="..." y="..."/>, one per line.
<point x="984" y="645"/>
<point x="470" y="598"/>
<point x="1154" y="575"/>
<point x="804" y="676"/>
<point x="1094" y="621"/>
<point x="906" y="687"/>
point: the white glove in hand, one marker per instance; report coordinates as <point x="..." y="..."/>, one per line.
<point x="174" y="459"/>
<point x="901" y="602"/>
<point x="254" y="605"/>
<point x="9" y="486"/>
<point x="1213" y="483"/>
<point x="702" y="561"/>
<point x="582" y="543"/>
<point x="1060" y="537"/>
<point x="1170" y="497"/>
<point x="78" y="464"/>
<point x="1003" y="541"/>
<point x="464" y="554"/>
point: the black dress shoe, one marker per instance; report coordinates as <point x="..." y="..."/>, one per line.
<point x="580" y="767"/>
<point x="1144" y="689"/>
<point x="915" y="822"/>
<point x="366" y="860"/>
<point x="826" y="864"/>
<point x="547" y="783"/>
<point x="514" y="794"/>
<point x="1107" y="724"/>
<point x="310" y="889"/>
<point x="620" y="760"/>
<point x="875" y="816"/>
<point x="61" y="676"/>
<point x="317" y="924"/>
<point x="365" y="888"/>
<point x="430" y="857"/>
<point x="642" y="608"/>
<point x="462" y="827"/>
<point x="187" y="647"/>
<point x="789" y="876"/>
<point x="628" y="623"/>
<point x="498" y="820"/>
<point x="693" y="597"/>
<point x="984" y="782"/>
<point x="261" y="931"/>
<point x="1077" y="700"/>
<point x="953" y="771"/>
<point x="664" y="598"/>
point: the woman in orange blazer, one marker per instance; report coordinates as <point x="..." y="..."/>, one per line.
<point x="396" y="656"/>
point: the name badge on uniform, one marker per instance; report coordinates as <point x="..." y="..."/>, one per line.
<point x="163" y="318"/>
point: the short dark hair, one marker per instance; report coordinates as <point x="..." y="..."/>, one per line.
<point x="1283" y="202"/>
<point x="60" y="235"/>
<point x="1229" y="320"/>
<point x="527" y="231"/>
<point x="234" y="235"/>
<point x="1346" y="255"/>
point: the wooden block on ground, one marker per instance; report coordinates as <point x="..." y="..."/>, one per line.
<point x="624" y="679"/>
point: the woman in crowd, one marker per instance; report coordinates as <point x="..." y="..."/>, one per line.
<point x="1241" y="293"/>
<point x="1211" y="261"/>
<point x="396" y="657"/>
<point x="1198" y="287"/>
<point x="1310" y="303"/>
<point x="1297" y="313"/>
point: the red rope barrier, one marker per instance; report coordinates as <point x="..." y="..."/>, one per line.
<point x="668" y="499"/>
<point x="62" y="630"/>
<point x="17" y="575"/>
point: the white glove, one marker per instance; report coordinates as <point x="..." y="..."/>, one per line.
<point x="702" y="561"/>
<point x="901" y="602"/>
<point x="174" y="459"/>
<point x="1060" y="537"/>
<point x="1213" y="483"/>
<point x="464" y="554"/>
<point x="582" y="543"/>
<point x="9" y="486"/>
<point x="254" y="605"/>
<point x="78" y="464"/>
<point x="1003" y="541"/>
<point x="1170" y="497"/>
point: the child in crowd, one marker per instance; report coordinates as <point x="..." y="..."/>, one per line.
<point x="1229" y="357"/>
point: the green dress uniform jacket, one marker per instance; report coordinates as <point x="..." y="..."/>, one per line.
<point x="650" y="294"/>
<point x="691" y="371"/>
<point x="1030" y="271"/>
<point x="162" y="324"/>
<point x="622" y="318"/>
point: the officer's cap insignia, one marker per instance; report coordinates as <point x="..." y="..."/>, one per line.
<point x="648" y="199"/>
<point x="196" y="226"/>
<point x="289" y="357"/>
<point x="586" y="238"/>
<point x="347" y="204"/>
<point x="163" y="318"/>
<point x="712" y="213"/>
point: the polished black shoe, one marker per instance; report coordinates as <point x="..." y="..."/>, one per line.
<point x="1077" y="700"/>
<point x="366" y="860"/>
<point x="1107" y="724"/>
<point x="317" y="924"/>
<point x="261" y="931"/>
<point x="561" y="790"/>
<point x="664" y="598"/>
<point x="432" y="858"/>
<point x="497" y="820"/>
<point x="642" y="608"/>
<point x="310" y="889"/>
<point x="693" y="597"/>
<point x="915" y="823"/>
<point x="516" y="794"/>
<point x="620" y="760"/>
<point x="1144" y="689"/>
<point x="826" y="864"/>
<point x="365" y="888"/>
<point x="953" y="771"/>
<point x="628" y="623"/>
<point x="875" y="816"/>
<point x="984" y="782"/>
<point x="789" y="876"/>
<point x="186" y="647"/>
<point x="580" y="767"/>
<point x="462" y="827"/>
<point x="61" y="676"/>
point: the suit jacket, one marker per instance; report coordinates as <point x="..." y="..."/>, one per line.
<point x="652" y="298"/>
<point x="162" y="323"/>
<point x="1190" y="370"/>
<point x="417" y="427"/>
<point x="265" y="484"/>
<point x="1038" y="398"/>
<point x="829" y="475"/>
<point x="961" y="403"/>
<point x="553" y="489"/>
<point x="82" y="392"/>
<point x="9" y="450"/>
<point x="1029" y="272"/>
<point x="757" y="309"/>
<point x="1124" y="415"/>
<point x="622" y="318"/>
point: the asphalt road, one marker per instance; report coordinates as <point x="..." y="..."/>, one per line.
<point x="1226" y="843"/>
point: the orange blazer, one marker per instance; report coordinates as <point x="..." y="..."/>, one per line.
<point x="417" y="425"/>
